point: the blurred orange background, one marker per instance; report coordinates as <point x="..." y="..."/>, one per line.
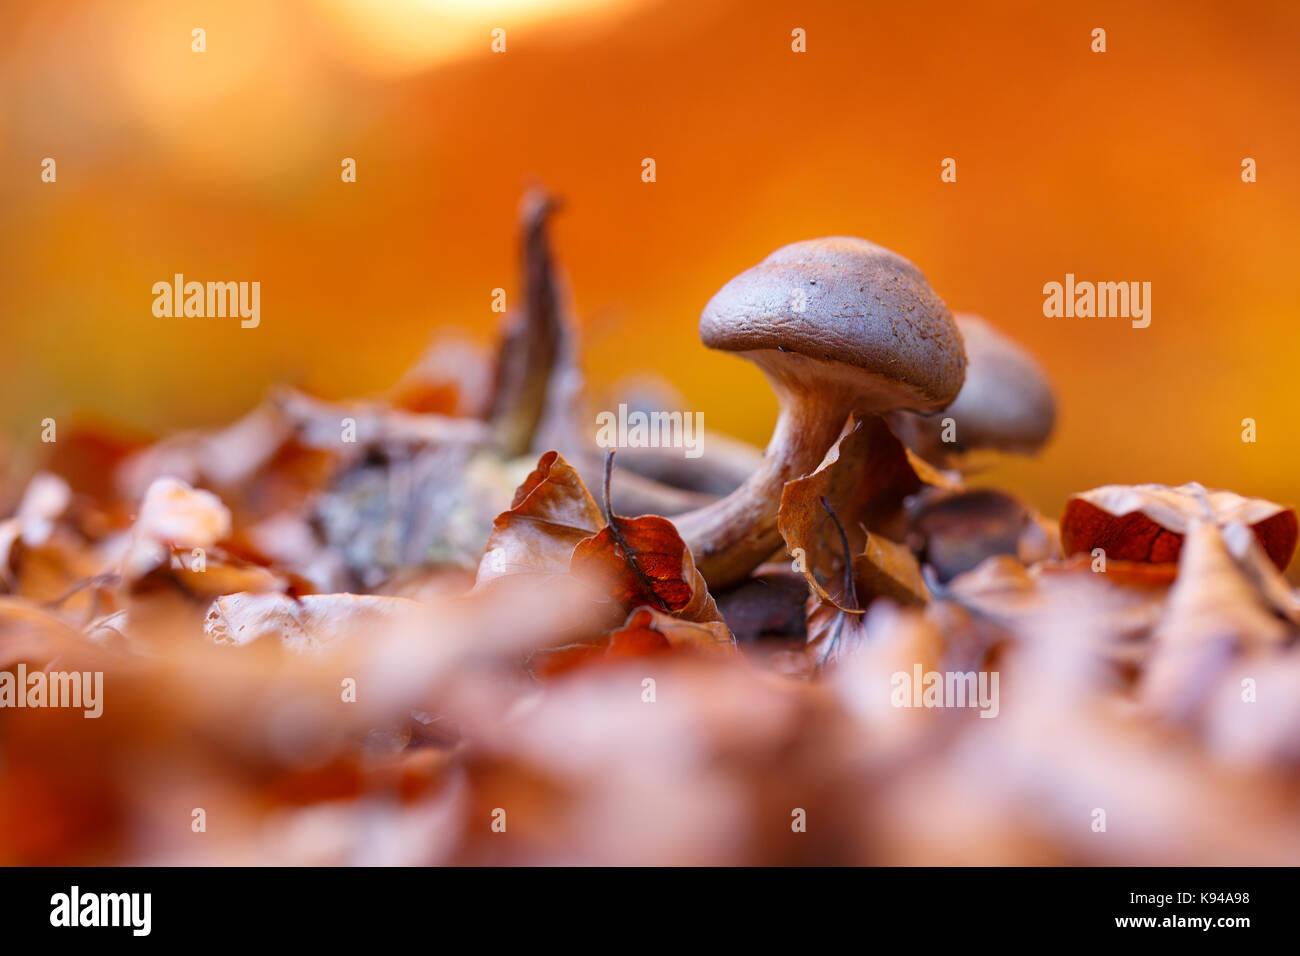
<point x="225" y="166"/>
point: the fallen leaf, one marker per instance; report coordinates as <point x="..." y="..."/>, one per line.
<point x="223" y="574"/>
<point x="307" y="624"/>
<point x="30" y="633"/>
<point x="551" y="513"/>
<point x="831" y="631"/>
<point x="888" y="569"/>
<point x="1148" y="522"/>
<point x="1260" y="729"/>
<point x="893" y="640"/>
<point x="864" y="477"/>
<point x="552" y="661"/>
<point x="643" y="560"/>
<point x="884" y="569"/>
<point x="44" y="501"/>
<point x="1214" y="613"/>
<point x="1032" y="604"/>
<point x="1271" y="586"/>
<point x="536" y="373"/>
<point x="646" y="632"/>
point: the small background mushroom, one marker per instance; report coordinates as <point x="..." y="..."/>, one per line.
<point x="1005" y="405"/>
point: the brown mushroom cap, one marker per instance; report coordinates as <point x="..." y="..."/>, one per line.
<point x="851" y="302"/>
<point x="1006" y="404"/>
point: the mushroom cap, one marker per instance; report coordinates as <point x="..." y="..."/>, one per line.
<point x="1005" y="405"/>
<point x="1007" y="402"/>
<point x="850" y="302"/>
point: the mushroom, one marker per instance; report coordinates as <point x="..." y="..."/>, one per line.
<point x="1005" y="405"/>
<point x="839" y="326"/>
<point x="632" y="493"/>
<point x="724" y="467"/>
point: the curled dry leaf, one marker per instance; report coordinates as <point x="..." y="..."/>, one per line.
<point x="1032" y="603"/>
<point x="649" y="630"/>
<point x="1271" y="586"/>
<point x="1148" y="522"/>
<point x="434" y="507"/>
<point x="306" y="624"/>
<point x="1214" y="613"/>
<point x="931" y="475"/>
<point x="864" y="477"/>
<point x="888" y="569"/>
<point x="884" y="569"/>
<point x="536" y="375"/>
<point x="553" y="532"/>
<point x="644" y="561"/>
<point x="894" y="640"/>
<point x="551" y="513"/>
<point x="833" y="625"/>
<point x="645" y="633"/>
<point x="832" y="631"/>
<point x="31" y="633"/>
<point x="1252" y="717"/>
<point x="221" y="574"/>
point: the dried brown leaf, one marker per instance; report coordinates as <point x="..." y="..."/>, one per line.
<point x="304" y="625"/>
<point x="888" y="569"/>
<point x="551" y="513"/>
<point x="1215" y="613"/>
<point x="864" y="477"/>
<point x="1148" y="522"/>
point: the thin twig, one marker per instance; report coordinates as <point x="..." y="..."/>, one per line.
<point x="629" y="553"/>
<point x="850" y="590"/>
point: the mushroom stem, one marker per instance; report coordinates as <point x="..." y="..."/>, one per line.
<point x="734" y="535"/>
